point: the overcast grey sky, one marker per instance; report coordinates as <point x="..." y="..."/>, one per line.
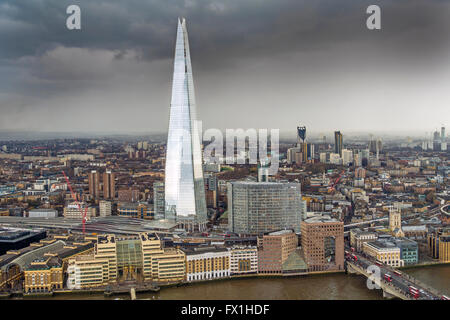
<point x="256" y="64"/>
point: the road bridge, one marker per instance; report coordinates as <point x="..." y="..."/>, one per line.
<point x="399" y="284"/>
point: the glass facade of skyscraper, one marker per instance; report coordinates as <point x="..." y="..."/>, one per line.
<point x="184" y="188"/>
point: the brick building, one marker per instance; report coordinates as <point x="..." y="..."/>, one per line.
<point x="323" y="243"/>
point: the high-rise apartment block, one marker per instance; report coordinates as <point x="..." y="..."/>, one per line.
<point x="109" y="186"/>
<point x="94" y="184"/>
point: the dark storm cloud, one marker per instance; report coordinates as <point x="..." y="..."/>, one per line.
<point x="248" y="56"/>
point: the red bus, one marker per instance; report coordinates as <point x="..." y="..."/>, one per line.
<point x="388" y="277"/>
<point x="414" y="292"/>
<point x="397" y="272"/>
<point x="445" y="298"/>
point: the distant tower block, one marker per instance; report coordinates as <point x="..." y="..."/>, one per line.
<point x="301" y="134"/>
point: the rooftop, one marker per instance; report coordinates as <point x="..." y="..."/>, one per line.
<point x="321" y="219"/>
<point x="203" y="249"/>
<point x="280" y="232"/>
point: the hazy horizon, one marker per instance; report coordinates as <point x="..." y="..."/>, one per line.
<point x="285" y="135"/>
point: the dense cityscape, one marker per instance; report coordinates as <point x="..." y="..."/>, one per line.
<point x="135" y="215"/>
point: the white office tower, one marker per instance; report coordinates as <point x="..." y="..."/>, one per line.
<point x="184" y="190"/>
<point x="347" y="156"/>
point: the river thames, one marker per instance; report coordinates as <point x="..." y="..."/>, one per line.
<point x="313" y="287"/>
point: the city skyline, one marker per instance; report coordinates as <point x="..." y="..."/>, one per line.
<point x="310" y="161"/>
<point x="314" y="63"/>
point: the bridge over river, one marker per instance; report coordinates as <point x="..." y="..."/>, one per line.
<point x="398" y="286"/>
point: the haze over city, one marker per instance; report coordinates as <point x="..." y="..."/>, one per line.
<point x="329" y="178"/>
<point x="274" y="64"/>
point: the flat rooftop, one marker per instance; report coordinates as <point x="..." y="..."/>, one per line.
<point x="280" y="232"/>
<point x="320" y="219"/>
<point x="203" y="249"/>
<point x="383" y="244"/>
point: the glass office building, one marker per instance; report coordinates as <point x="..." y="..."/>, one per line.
<point x="184" y="189"/>
<point x="260" y="207"/>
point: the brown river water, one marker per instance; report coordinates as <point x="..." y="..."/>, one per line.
<point x="314" y="287"/>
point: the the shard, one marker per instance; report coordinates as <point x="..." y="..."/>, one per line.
<point x="184" y="187"/>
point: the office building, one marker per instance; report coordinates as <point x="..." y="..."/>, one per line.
<point x="42" y="213"/>
<point x="360" y="173"/>
<point x="206" y="263"/>
<point x="263" y="171"/>
<point x="274" y="250"/>
<point x="211" y="190"/>
<point x="347" y="157"/>
<point x="358" y="237"/>
<point x="128" y="195"/>
<point x="14" y="239"/>
<point x="386" y="252"/>
<point x="105" y="208"/>
<point x="409" y="250"/>
<point x="307" y="151"/>
<point x="439" y="244"/>
<point x="323" y="243"/>
<point x="79" y="210"/>
<point x="87" y="271"/>
<point x="338" y="142"/>
<point x="335" y="158"/>
<point x="243" y="260"/>
<point x="294" y="155"/>
<point x="260" y="207"/>
<point x="158" y="200"/>
<point x="118" y="259"/>
<point x="106" y="250"/>
<point x="184" y="187"/>
<point x="301" y="134"/>
<point x="43" y="275"/>
<point x="138" y="210"/>
<point x="161" y="264"/>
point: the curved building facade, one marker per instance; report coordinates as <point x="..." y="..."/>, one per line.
<point x="260" y="207"/>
